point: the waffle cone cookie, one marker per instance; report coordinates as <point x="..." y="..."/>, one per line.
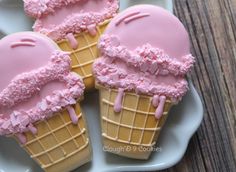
<point x="60" y="145"/>
<point x="76" y="27"/>
<point x="39" y="102"/>
<point x="133" y="132"/>
<point x="140" y="76"/>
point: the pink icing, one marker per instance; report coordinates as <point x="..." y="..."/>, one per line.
<point x="146" y="58"/>
<point x="125" y="17"/>
<point x="155" y="100"/>
<point x="135" y="17"/>
<point x="21" y="138"/>
<point x="117" y="74"/>
<point x="32" y="129"/>
<point x="82" y="6"/>
<point x="57" y="18"/>
<point x="92" y="29"/>
<point x="118" y="101"/>
<point x="28" y="40"/>
<point x="38" y="83"/>
<point x="145" y="49"/>
<point x="161" y="30"/>
<point x="17" y="44"/>
<point x="73" y="115"/>
<point x="72" y="40"/>
<point x="14" y="61"/>
<point x="160" y="107"/>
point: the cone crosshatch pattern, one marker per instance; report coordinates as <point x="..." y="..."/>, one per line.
<point x="83" y="57"/>
<point x="135" y="127"/>
<point x="59" y="144"/>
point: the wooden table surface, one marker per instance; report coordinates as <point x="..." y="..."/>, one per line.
<point x="212" y="28"/>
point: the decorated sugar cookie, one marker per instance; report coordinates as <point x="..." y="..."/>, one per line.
<point x="39" y="100"/>
<point x="76" y="26"/>
<point x="145" y="56"/>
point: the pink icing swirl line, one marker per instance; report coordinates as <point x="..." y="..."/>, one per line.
<point x="28" y="40"/>
<point x="146" y="58"/>
<point x="75" y="23"/>
<point x="57" y="69"/>
<point x="128" y="20"/>
<point x="127" y="16"/>
<point x="17" y="44"/>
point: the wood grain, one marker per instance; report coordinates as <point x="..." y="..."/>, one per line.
<point x="212" y="25"/>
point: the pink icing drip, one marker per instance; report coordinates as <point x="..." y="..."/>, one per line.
<point x="92" y="29"/>
<point x="118" y="101"/>
<point x="128" y="20"/>
<point x="127" y="16"/>
<point x="72" y="40"/>
<point x="57" y="69"/>
<point x="155" y="100"/>
<point x="75" y="22"/>
<point x="74" y="118"/>
<point x="21" y="138"/>
<point x="17" y="44"/>
<point x="160" y="108"/>
<point x="32" y="129"/>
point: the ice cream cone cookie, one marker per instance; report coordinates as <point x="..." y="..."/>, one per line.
<point x="39" y="102"/>
<point x="76" y="26"/>
<point x="145" y="55"/>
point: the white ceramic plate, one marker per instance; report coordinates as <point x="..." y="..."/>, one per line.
<point x="182" y="123"/>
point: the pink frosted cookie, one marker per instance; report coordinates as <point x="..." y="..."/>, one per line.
<point x="76" y="26"/>
<point x="36" y="90"/>
<point x="145" y="55"/>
